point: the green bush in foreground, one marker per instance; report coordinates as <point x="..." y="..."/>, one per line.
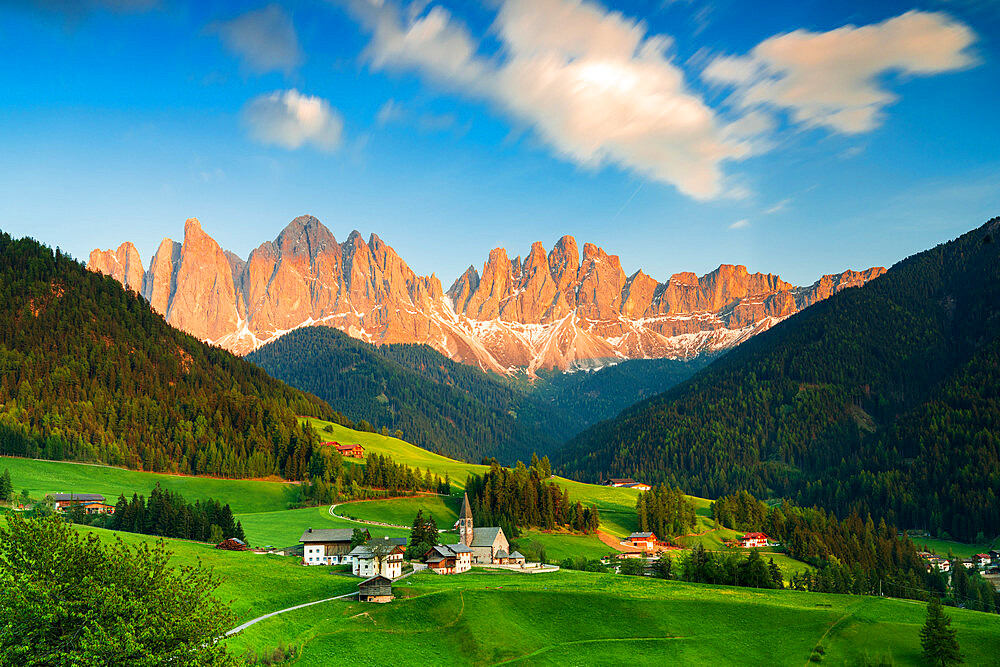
<point x="69" y="599"/>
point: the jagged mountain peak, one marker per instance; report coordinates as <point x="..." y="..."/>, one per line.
<point x="559" y="308"/>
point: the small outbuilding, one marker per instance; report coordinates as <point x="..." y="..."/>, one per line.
<point x="376" y="589"/>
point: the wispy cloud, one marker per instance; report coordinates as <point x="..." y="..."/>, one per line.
<point x="780" y="206"/>
<point x="837" y="79"/>
<point x="264" y="39"/>
<point x="292" y="120"/>
<point x="599" y="90"/>
<point x="740" y="224"/>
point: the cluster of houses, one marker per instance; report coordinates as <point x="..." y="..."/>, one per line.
<point x="91" y="503"/>
<point x="476" y="546"/>
<point x="988" y="563"/>
<point x="354" y="451"/>
<point x="627" y="483"/>
<point x="381" y="559"/>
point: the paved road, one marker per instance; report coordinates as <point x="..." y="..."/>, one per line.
<point x="416" y="568"/>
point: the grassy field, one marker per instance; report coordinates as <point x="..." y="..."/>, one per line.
<point x="44" y="477"/>
<point x="401" y="511"/>
<point x="562" y="545"/>
<point x="960" y="549"/>
<point x="616" y="505"/>
<point x="255" y="583"/>
<point x="283" y="529"/>
<point x="575" y="618"/>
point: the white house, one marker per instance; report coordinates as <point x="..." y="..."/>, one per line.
<point x="326" y="546"/>
<point x="365" y="564"/>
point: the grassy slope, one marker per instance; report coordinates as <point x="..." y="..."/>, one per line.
<point x="488" y="618"/>
<point x="617" y="506"/>
<point x="960" y="549"/>
<point x="401" y="511"/>
<point x="277" y="581"/>
<point x="43" y="477"/>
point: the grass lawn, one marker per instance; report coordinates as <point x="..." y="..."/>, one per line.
<point x="283" y="529"/>
<point x="255" y="583"/>
<point x="562" y="545"/>
<point x="960" y="549"/>
<point x="44" y="477"/>
<point x="401" y="511"/>
<point x="582" y="618"/>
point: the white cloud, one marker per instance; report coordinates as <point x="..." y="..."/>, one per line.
<point x="780" y="206"/>
<point x="598" y="90"/>
<point x="291" y="120"/>
<point x="740" y="224"/>
<point x="264" y="39"/>
<point x="836" y="79"/>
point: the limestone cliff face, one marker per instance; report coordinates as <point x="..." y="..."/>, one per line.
<point x="558" y="309"/>
<point x="124" y="265"/>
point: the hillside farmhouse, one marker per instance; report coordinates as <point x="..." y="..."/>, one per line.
<point x="627" y="483"/>
<point x="64" y="501"/>
<point x="752" y="540"/>
<point x="376" y="589"/>
<point x="645" y="541"/>
<point x="327" y="546"/>
<point x="365" y="563"/>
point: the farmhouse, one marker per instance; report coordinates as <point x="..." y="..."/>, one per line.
<point x="449" y="558"/>
<point x="327" y="546"/>
<point x="376" y="589"/>
<point x="98" y="508"/>
<point x="64" y="501"/>
<point x="485" y="542"/>
<point x="751" y="540"/>
<point x="388" y="562"/>
<point x="645" y="541"/>
<point x="354" y="451"/>
<point x="628" y="483"/>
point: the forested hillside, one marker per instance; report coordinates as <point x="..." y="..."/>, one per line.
<point x="88" y="372"/>
<point x="444" y="406"/>
<point x="882" y="399"/>
<point x="587" y="397"/>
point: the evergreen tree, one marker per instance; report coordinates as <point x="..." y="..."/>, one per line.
<point x="6" y="485"/>
<point x="938" y="638"/>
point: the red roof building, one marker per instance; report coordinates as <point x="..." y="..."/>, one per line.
<point x="752" y="540"/>
<point x="354" y="451"/>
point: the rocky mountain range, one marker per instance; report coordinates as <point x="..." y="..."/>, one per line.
<point x="557" y="309"/>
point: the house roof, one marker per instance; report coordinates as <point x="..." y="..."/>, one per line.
<point x="466" y="512"/>
<point x="754" y="536"/>
<point x="516" y="554"/>
<point x="640" y="535"/>
<point x="327" y="535"/>
<point x="348" y="447"/>
<point x="78" y="496"/>
<point x="375" y="579"/>
<point x="502" y="554"/>
<point x="484" y="537"/>
<point x="360" y="550"/>
<point x="459" y="548"/>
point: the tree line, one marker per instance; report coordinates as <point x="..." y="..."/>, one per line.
<point x="520" y="497"/>
<point x="665" y="511"/>
<point x="167" y="514"/>
<point x="853" y="555"/>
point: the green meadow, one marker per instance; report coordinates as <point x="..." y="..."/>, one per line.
<point x="401" y="511"/>
<point x="488" y="618"/>
<point x="44" y="477"/>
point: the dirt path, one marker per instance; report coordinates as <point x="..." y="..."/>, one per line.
<point x="615" y="543"/>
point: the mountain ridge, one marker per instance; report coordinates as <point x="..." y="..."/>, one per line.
<point x="561" y="309"/>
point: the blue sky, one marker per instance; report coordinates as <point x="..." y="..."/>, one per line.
<point x="796" y="138"/>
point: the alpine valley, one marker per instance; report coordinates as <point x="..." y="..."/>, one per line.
<point x="552" y="310"/>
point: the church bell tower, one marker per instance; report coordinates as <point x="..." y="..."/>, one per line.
<point x="465" y="523"/>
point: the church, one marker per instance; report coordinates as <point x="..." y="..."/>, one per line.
<point x="489" y="545"/>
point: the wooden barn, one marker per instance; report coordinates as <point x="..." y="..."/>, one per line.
<point x="376" y="589"/>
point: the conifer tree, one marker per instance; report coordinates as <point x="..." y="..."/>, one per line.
<point x="938" y="638"/>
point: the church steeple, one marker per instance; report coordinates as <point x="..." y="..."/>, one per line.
<point x="465" y="522"/>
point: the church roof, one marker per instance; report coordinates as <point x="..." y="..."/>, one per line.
<point x="466" y="512"/>
<point x="502" y="554"/>
<point x="484" y="537"/>
<point x="516" y="554"/>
